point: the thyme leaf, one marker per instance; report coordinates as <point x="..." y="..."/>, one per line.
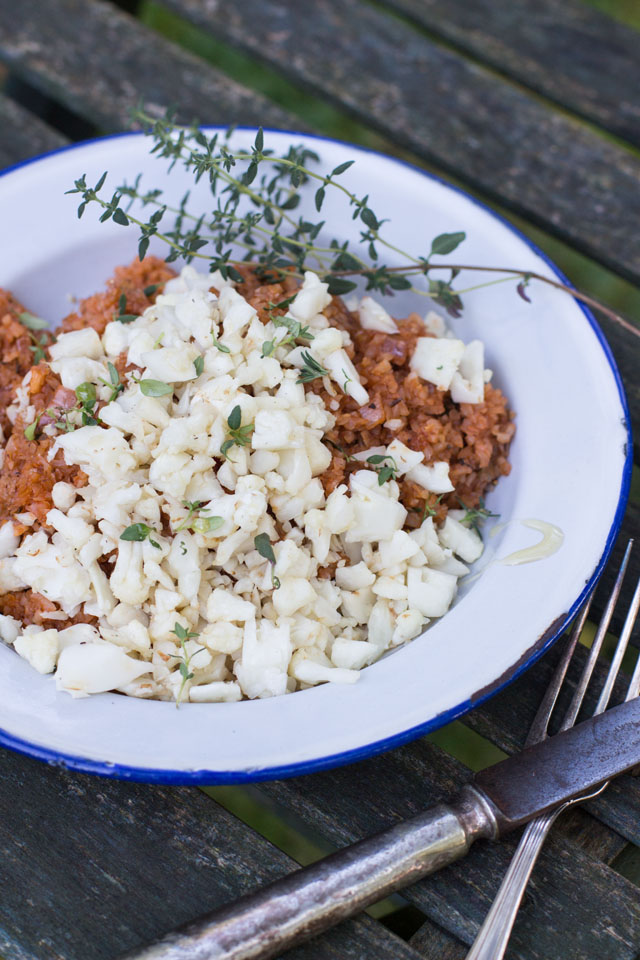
<point x="138" y="532"/>
<point x="311" y="369"/>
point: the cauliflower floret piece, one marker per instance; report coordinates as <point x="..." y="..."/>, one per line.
<point x="436" y="360"/>
<point x="220" y="691"/>
<point x="353" y="654"/>
<point x="293" y="594"/>
<point x="467" y="384"/>
<point x="273" y="430"/>
<point x="222" y="637"/>
<point x="377" y="515"/>
<point x="354" y="577"/>
<point x="101" y="453"/>
<point x="40" y="648"/>
<point x="9" y="628"/>
<point x="96" y="668"/>
<point x="405" y="458"/>
<point x="225" y="605"/>
<point x="339" y="512"/>
<point x="77" y="343"/>
<point x="76" y="370"/>
<point x="373" y="316"/>
<point x="408" y="625"/>
<point x="185" y="564"/>
<point x="430" y="591"/>
<point x="52" y="570"/>
<point x="8" y="540"/>
<point x="63" y="496"/>
<point x="463" y="540"/>
<point x="311" y="298"/>
<point x="307" y="670"/>
<point x="171" y="364"/>
<point x="262" y="668"/>
<point x="128" y="582"/>
<point x="433" y="477"/>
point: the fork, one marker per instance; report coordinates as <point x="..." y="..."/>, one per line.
<point x="493" y="936"/>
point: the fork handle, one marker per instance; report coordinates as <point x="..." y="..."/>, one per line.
<point x="306" y="902"/>
<point x="493" y="936"/>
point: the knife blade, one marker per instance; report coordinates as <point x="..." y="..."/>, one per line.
<point x="500" y="798"/>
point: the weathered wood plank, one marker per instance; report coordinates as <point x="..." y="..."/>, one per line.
<point x="546" y="166"/>
<point x="90" y="868"/>
<point x="126" y="63"/>
<point x="564" y="49"/>
<point x="557" y="919"/>
<point x="23" y="135"/>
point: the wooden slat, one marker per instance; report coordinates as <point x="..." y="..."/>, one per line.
<point x="558" y="919"/>
<point x="100" y="63"/>
<point x="563" y="49"/>
<point x="500" y="139"/>
<point x="90" y="868"/>
<point x="23" y="135"/>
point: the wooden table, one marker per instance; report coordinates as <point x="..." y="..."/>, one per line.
<point x="533" y="104"/>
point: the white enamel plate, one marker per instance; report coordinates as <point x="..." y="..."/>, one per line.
<point x="570" y="460"/>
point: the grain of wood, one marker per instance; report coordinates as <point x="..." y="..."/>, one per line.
<point x="24" y="135"/>
<point x="557" y="919"/>
<point x="100" y="63"/>
<point x="90" y="868"/>
<point x="564" y="49"/>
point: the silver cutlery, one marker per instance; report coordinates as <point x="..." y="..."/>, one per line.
<point x="493" y="936"/>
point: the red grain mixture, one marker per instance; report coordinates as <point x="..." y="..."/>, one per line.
<point x="473" y="438"/>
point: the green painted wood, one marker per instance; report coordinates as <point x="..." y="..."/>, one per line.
<point x="100" y="62"/>
<point x="23" y="135"/>
<point x="90" y="868"/>
<point x="577" y="907"/>
<point x="563" y="49"/>
<point x="497" y="137"/>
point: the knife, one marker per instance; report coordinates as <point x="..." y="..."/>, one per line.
<point x="499" y="799"/>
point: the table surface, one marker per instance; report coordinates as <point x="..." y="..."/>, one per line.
<point x="534" y="106"/>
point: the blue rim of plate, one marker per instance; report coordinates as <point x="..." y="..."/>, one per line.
<point x="212" y="777"/>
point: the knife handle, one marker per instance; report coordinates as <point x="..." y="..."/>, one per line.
<point x="304" y="903"/>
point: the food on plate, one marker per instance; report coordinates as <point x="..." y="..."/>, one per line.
<point x="214" y="490"/>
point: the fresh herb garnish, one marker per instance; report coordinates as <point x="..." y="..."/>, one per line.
<point x="430" y="511"/>
<point x="151" y="289"/>
<point x="201" y="524"/>
<point x="184" y="658"/>
<point x="139" y="532"/>
<point x="220" y="346"/>
<point x="31" y="322"/>
<point x="30" y="431"/>
<point x="474" y="516"/>
<point x="311" y="369"/>
<point x="154" y="388"/>
<point x="262" y="191"/>
<point x="122" y="316"/>
<point x="199" y="365"/>
<point x="114" y="382"/>
<point x="263" y="545"/>
<point x="237" y="435"/>
<point x="295" y="329"/>
<point x="386" y="472"/>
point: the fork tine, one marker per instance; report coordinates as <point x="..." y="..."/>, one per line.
<point x="540" y="725"/>
<point x="578" y="696"/>
<point x="621" y="647"/>
<point x="632" y="616"/>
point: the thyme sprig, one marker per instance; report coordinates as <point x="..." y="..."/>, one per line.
<point x="385" y="471"/>
<point x="199" y="524"/>
<point x="254" y="219"/>
<point x="474" y="516"/>
<point x="184" y="659"/>
<point x="39" y="340"/>
<point x="236" y="434"/>
<point x="311" y="369"/>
